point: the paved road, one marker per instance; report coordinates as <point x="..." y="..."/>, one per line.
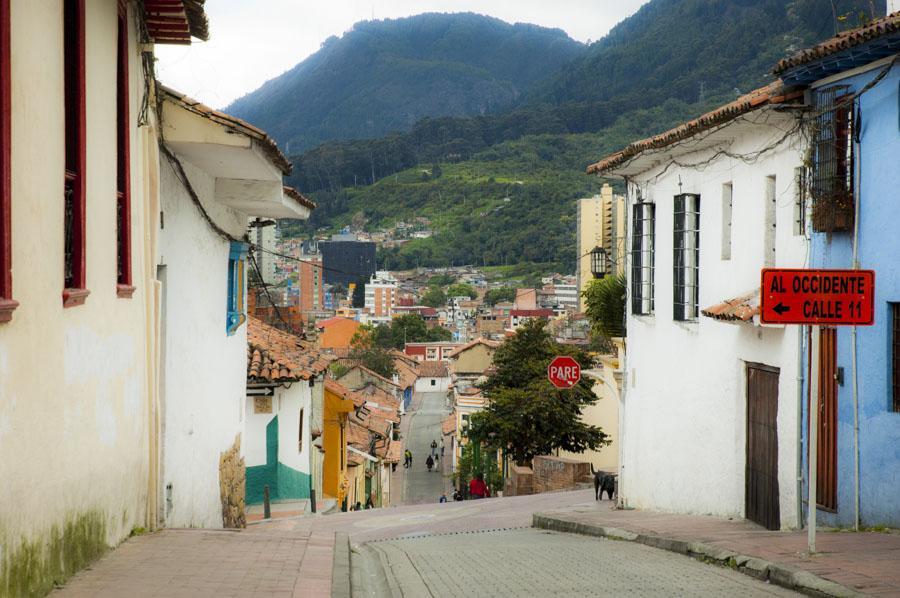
<point x="421" y="485"/>
<point x="533" y="563"/>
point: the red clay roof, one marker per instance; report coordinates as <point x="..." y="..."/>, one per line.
<point x="334" y="320"/>
<point x="433" y="369"/>
<point x="741" y="308"/>
<point x="774" y="93"/>
<point x="174" y="21"/>
<point x="299" y="198"/>
<point x="448" y="425"/>
<point x="843" y="41"/>
<point x="232" y="122"/>
<point x="531" y="313"/>
<point x="275" y="356"/>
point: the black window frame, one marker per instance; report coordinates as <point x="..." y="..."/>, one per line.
<point x="643" y="246"/>
<point x="686" y="243"/>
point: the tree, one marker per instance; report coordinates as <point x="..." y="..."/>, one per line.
<point x="604" y="301"/>
<point x="499" y="295"/>
<point x="434" y="297"/>
<point x="526" y="415"/>
<point x="408" y="328"/>
<point x="462" y="289"/>
<point x="359" y="294"/>
<point x="365" y="351"/>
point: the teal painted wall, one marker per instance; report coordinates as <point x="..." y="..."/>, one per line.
<point x="285" y="483"/>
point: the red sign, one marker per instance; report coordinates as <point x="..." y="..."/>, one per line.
<point x="834" y="297"/>
<point x="564" y="372"/>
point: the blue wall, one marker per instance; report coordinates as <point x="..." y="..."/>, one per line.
<point x="879" y="250"/>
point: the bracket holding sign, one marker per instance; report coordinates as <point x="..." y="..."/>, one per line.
<point x="823" y="297"/>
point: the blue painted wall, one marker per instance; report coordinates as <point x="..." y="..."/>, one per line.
<point x="879" y="250"/>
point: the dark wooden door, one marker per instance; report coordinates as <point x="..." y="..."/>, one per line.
<point x="826" y="462"/>
<point x="761" y="476"/>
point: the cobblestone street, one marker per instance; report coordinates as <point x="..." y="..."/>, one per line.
<point x="421" y="485"/>
<point x="534" y="563"/>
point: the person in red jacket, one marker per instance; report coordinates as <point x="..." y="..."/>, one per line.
<point x="477" y="487"/>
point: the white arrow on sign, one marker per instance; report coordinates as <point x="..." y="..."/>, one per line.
<point x="267" y="391"/>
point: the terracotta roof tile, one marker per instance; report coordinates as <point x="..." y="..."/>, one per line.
<point x="394" y="453"/>
<point x="274" y="355"/>
<point x="843" y="41"/>
<point x="741" y="308"/>
<point x="433" y="369"/>
<point x="173" y="22"/>
<point x="774" y="93"/>
<point x="478" y="341"/>
<point x="448" y="425"/>
<point x="299" y="198"/>
<point x="192" y="105"/>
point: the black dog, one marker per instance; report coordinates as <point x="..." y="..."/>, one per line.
<point x="603" y="482"/>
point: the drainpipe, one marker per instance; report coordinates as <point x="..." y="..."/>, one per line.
<point x="800" y="336"/>
<point x="854" y="375"/>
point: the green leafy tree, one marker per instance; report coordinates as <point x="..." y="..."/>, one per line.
<point x="434" y="297"/>
<point x="604" y="301"/>
<point x="526" y="414"/>
<point x="437" y="333"/>
<point x="462" y="289"/>
<point x="359" y="294"/>
<point x="495" y="296"/>
<point x="365" y="350"/>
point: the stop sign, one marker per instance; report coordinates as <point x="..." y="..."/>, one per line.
<point x="564" y="372"/>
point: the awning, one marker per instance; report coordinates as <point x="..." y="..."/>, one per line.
<point x="739" y="309"/>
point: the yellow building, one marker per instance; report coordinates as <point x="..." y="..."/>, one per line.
<point x="338" y="405"/>
<point x="601" y="223"/>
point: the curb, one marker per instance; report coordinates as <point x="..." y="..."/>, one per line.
<point x="785" y="576"/>
<point x="340" y="571"/>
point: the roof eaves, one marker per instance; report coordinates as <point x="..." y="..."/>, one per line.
<point x="232" y="122"/>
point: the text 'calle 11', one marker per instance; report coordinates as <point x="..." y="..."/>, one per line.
<point x="833" y="297"/>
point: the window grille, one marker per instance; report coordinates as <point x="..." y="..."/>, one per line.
<point x="642" y="246"/>
<point x="831" y="176"/>
<point x="800" y="176"/>
<point x="686" y="262"/>
<point x="895" y="357"/>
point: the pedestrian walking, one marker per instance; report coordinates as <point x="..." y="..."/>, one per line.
<point x="443" y="498"/>
<point x="442" y="447"/>
<point x="429" y="462"/>
<point x="434" y="446"/>
<point x="477" y="487"/>
<point x="407" y="459"/>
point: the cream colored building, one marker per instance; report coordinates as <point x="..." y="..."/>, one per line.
<point x="114" y="336"/>
<point x="601" y="223"/>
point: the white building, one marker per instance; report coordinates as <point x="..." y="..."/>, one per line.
<point x="381" y="296"/>
<point x="702" y="374"/>
<point x="216" y="173"/>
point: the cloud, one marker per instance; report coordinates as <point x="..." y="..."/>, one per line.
<point x="252" y="42"/>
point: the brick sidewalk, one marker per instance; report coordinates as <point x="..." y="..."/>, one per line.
<point x="867" y="562"/>
<point x="176" y="563"/>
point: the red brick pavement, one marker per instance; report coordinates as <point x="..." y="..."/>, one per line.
<point x="868" y="562"/>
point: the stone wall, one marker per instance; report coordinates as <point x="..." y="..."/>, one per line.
<point x="559" y="473"/>
<point x="519" y="481"/>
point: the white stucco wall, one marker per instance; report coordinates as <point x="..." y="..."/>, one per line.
<point x="685" y="406"/>
<point x="205" y="369"/>
<point x="440" y="384"/>
<point x="604" y="414"/>
<point x="73" y="382"/>
<point x="286" y="404"/>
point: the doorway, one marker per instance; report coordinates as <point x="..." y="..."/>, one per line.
<point x="761" y="496"/>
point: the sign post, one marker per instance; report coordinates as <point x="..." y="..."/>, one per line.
<point x="816" y="298"/>
<point x="564" y="372"/>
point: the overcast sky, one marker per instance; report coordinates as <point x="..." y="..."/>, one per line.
<point x="254" y="41"/>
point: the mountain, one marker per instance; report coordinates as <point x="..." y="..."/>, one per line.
<point x="384" y="76"/>
<point x="500" y="188"/>
<point x="687" y="49"/>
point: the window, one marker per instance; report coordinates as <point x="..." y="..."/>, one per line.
<point x="300" y="434"/>
<point x="74" y="292"/>
<point x="800" y="200"/>
<point x="433" y="382"/>
<point x="236" y="260"/>
<point x="895" y="357"/>
<point x="686" y="259"/>
<point x="770" y="223"/>
<point x="642" y="246"/>
<point x="727" y="195"/>
<point x="831" y="176"/>
<point x="7" y="305"/>
<point x="124" y="287"/>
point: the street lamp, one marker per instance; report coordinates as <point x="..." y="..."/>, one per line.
<point x="599" y="262"/>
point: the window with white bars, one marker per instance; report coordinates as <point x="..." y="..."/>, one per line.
<point x="686" y="259"/>
<point x="642" y="245"/>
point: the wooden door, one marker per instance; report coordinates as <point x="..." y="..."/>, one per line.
<point x="826" y="463"/>
<point x="761" y="497"/>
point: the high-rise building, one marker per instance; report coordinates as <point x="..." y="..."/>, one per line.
<point x="347" y="262"/>
<point x="601" y="223"/>
<point x="382" y="294"/>
<point x="310" y="276"/>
